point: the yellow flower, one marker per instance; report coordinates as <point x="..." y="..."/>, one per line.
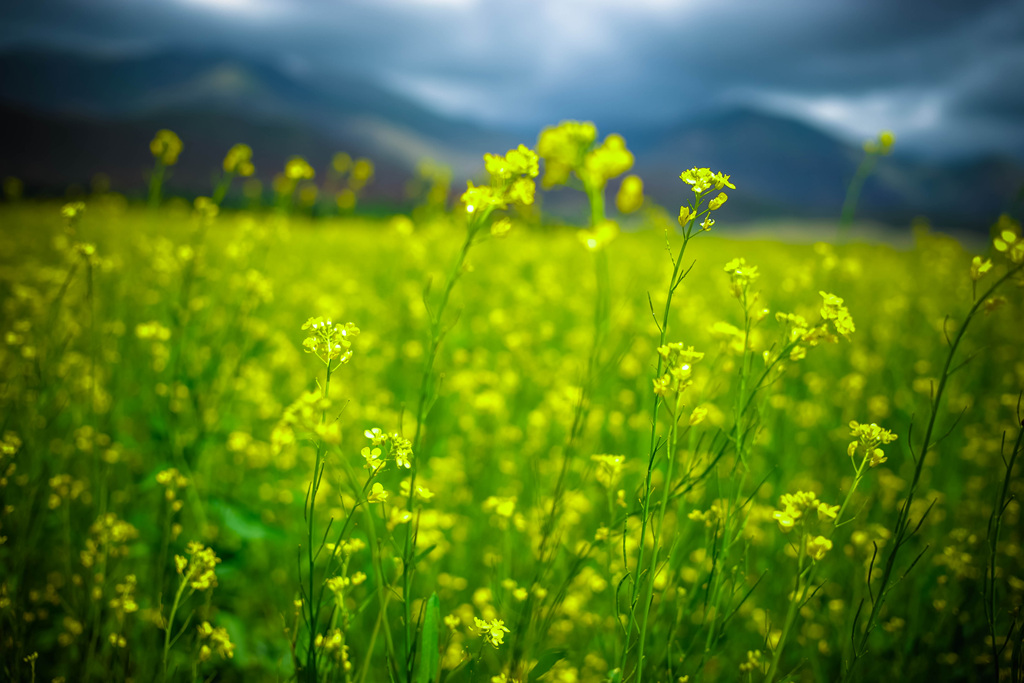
<point x="685" y="215"/>
<point x="603" y="233"/>
<point x="609" y="469"/>
<point x="817" y="547"/>
<point x="377" y="493"/>
<point x="630" y="196"/>
<point x="239" y="161"/>
<point x="717" y="202"/>
<point x="869" y="439"/>
<point x="298" y="168"/>
<point x="166" y="146"/>
<point x="493" y="631"/>
<point x="979" y="267"/>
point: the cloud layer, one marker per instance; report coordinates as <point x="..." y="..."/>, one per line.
<point x="944" y="75"/>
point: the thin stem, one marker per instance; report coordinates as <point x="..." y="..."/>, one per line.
<point x="902" y="528"/>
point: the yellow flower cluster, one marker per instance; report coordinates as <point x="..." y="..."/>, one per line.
<point x="125" y="603"/>
<point x="701" y="180"/>
<point x="1008" y="239"/>
<point x="329" y="341"/>
<point x="678" y="360"/>
<point x="794" y="507"/>
<point x="399" y="449"/>
<point x="238" y="161"/>
<point x="630" y="196"/>
<point x="298" y="168"/>
<point x="882" y="144"/>
<point x="869" y="439"/>
<point x="198" y="569"/>
<point x="832" y="309"/>
<point x="333" y="643"/>
<point x="609" y="469"/>
<point x="493" y="631"/>
<point x="569" y="148"/>
<point x="511" y="182"/>
<point x="172" y="480"/>
<point x="214" y="640"/>
<point x="741" y="276"/>
<point x="108" y="536"/>
<point x="166" y="146"/>
<point x="598" y="237"/>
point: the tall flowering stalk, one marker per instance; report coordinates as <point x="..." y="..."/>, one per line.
<point x="511" y="182"/>
<point x="332" y="345"/>
<point x="694" y="220"/>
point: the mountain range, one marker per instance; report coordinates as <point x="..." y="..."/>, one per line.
<point x="65" y="116"/>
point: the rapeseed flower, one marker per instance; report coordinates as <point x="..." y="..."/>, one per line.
<point x="166" y="146"/>
<point x="493" y="631"/>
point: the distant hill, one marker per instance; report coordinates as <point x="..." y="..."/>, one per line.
<point x="65" y="116"/>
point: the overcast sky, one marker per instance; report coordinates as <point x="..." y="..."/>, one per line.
<point x="946" y="76"/>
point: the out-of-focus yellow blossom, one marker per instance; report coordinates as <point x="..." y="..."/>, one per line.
<point x="198" y="569"/>
<point x="609" y="160"/>
<point x="166" y="146"/>
<point x="630" y="196"/>
<point x="794" y="507"/>
<point x="741" y="276"/>
<point x="218" y="641"/>
<point x="817" y="547"/>
<point x="609" y="469"/>
<point x="754" y="662"/>
<point x="377" y="493"/>
<point x="501" y="227"/>
<point x="698" y="415"/>
<point x="979" y="267"/>
<point x="297" y="168"/>
<point x="511" y="182"/>
<point x="602" y="233"/>
<point x="362" y="173"/>
<point x="501" y="506"/>
<point x="832" y="309"/>
<point x="239" y="161"/>
<point x="882" y="144"/>
<point x="678" y="363"/>
<point x="1007" y="238"/>
<point x="205" y="207"/>
<point x="563" y="148"/>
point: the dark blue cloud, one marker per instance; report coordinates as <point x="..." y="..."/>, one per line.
<point x="945" y="75"/>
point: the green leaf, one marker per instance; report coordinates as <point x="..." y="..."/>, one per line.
<point x="422" y="554"/>
<point x="429" y="643"/>
<point x="544" y="663"/>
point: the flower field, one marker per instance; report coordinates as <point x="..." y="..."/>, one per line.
<point x="468" y="444"/>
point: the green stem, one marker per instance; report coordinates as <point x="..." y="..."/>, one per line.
<point x="791" y="611"/>
<point x="313" y="606"/>
<point x="156" y="181"/>
<point x="476" y="221"/>
<point x="902" y="528"/>
<point x="222" y="188"/>
<point x="674" y="281"/>
<point x="658" y="531"/>
<point x="853" y="193"/>
<point x="170" y="619"/>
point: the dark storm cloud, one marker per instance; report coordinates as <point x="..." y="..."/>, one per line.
<point x="940" y="73"/>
